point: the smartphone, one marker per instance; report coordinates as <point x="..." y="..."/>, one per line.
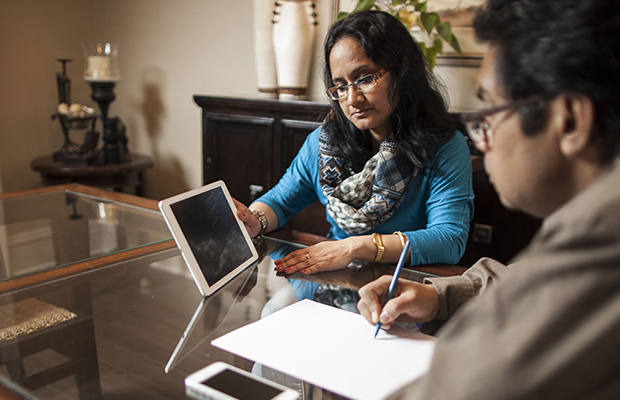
<point x="221" y="381"/>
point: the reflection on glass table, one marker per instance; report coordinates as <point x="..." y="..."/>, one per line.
<point x="40" y="231"/>
<point x="148" y="317"/>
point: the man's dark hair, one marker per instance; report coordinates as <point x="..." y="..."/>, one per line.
<point x="420" y="120"/>
<point x="550" y="47"/>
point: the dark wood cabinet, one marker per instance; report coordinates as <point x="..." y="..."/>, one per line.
<point x="249" y="143"/>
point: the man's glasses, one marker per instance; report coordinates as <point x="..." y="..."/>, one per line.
<point x="479" y="129"/>
<point x="362" y="84"/>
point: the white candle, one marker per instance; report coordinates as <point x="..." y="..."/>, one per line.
<point x="98" y="67"/>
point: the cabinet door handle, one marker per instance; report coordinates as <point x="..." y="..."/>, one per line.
<point x="255" y="191"/>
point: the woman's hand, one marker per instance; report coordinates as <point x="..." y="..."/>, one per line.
<point x="323" y="256"/>
<point x="248" y="218"/>
<point x="412" y="301"/>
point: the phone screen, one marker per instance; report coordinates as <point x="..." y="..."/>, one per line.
<point x="241" y="387"/>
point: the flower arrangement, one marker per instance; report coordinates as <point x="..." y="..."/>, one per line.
<point x="426" y="27"/>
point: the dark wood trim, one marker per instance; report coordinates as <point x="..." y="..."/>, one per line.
<point x="264" y="106"/>
<point x="73" y="271"/>
<point x="88" y="190"/>
<point x="7" y="393"/>
<point x="47" y="166"/>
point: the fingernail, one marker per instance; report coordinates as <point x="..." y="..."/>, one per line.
<point x="288" y="270"/>
<point x="382" y="315"/>
<point x="375" y="318"/>
<point x="279" y="268"/>
<point x="303" y="271"/>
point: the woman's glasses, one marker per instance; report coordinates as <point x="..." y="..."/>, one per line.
<point x="362" y="84"/>
<point x="478" y="127"/>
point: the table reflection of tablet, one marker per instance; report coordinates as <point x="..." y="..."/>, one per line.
<point x="213" y="241"/>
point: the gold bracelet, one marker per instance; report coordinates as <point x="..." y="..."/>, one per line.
<point x="376" y="239"/>
<point x="263" y="221"/>
<point x="403" y="239"/>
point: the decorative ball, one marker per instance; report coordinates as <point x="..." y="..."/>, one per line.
<point x="63" y="108"/>
<point x="75" y="108"/>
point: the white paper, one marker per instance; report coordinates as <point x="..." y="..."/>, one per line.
<point x="333" y="349"/>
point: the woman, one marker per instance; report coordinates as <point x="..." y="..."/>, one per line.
<point x="386" y="163"/>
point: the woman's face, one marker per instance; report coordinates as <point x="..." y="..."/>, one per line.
<point x="368" y="110"/>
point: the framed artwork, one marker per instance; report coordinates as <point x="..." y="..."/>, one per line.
<point x="460" y="14"/>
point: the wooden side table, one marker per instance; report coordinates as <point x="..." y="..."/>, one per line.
<point x="109" y="176"/>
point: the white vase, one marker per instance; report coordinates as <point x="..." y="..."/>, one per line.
<point x="264" y="56"/>
<point x="293" y="40"/>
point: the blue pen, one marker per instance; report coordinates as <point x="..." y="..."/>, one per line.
<point x="392" y="287"/>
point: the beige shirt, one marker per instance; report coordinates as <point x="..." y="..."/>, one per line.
<point x="548" y="326"/>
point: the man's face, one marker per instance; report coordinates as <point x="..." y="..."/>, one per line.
<point x="528" y="172"/>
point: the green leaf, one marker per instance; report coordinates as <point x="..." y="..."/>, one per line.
<point x="445" y="31"/>
<point x="429" y="21"/>
<point x="421" y="6"/>
<point x="363" y="5"/>
<point x="341" y="15"/>
<point x="454" y="43"/>
<point x="438" y="45"/>
<point x="422" y="46"/>
<point x="431" y="57"/>
<point x="398" y="2"/>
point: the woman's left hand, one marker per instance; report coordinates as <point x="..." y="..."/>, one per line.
<point x="323" y="256"/>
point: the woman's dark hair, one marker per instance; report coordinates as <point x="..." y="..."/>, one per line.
<point x="553" y="47"/>
<point x="420" y="121"/>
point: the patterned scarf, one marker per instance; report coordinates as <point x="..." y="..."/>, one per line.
<point x="358" y="202"/>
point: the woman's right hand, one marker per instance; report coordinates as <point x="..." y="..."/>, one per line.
<point x="252" y="224"/>
<point x="412" y="301"/>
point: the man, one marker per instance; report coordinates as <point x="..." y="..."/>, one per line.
<point x="547" y="326"/>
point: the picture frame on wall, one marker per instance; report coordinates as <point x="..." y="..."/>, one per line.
<point x="460" y="14"/>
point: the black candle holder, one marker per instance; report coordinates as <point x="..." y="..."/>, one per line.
<point x="114" y="138"/>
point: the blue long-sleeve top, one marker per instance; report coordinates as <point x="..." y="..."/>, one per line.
<point x="434" y="214"/>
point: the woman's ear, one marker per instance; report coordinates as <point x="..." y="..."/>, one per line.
<point x="577" y="122"/>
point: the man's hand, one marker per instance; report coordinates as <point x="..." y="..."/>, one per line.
<point x="412" y="301"/>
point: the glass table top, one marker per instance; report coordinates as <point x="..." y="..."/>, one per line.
<point x="138" y="324"/>
<point x="44" y="231"/>
<point x="151" y="327"/>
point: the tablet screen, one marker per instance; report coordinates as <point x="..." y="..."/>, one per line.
<point x="214" y="237"/>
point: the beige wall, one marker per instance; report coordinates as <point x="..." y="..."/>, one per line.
<point x="33" y="34"/>
<point x="170" y="51"/>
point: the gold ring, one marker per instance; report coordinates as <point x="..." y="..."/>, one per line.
<point x="307" y="256"/>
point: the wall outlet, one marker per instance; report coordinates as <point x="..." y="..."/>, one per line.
<point x="481" y="233"/>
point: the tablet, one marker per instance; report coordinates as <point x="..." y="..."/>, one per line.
<point x="213" y="241"/>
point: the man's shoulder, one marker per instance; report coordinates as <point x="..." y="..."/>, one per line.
<point x="583" y="234"/>
<point x="598" y="203"/>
